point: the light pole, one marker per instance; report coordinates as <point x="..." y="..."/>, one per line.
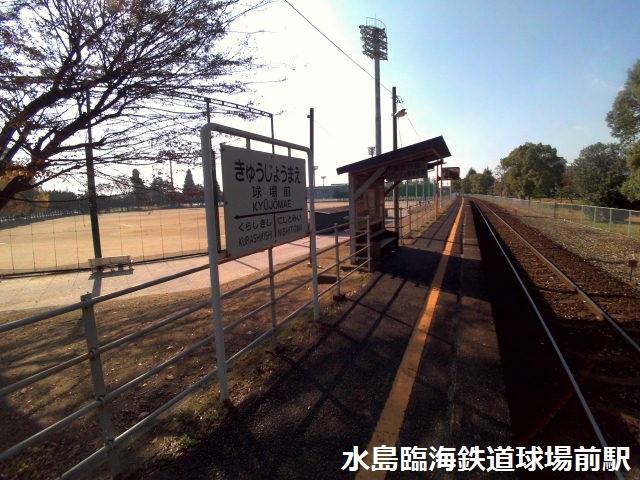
<point x="374" y="38"/>
<point x="323" y="177"/>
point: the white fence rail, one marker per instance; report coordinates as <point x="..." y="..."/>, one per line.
<point x="413" y="219"/>
<point x="102" y="402"/>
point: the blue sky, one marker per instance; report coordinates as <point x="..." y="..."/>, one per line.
<point x="492" y="75"/>
<point x="488" y="76"/>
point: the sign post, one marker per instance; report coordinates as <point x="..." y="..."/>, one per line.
<point x="212" y="235"/>
<point x="243" y="237"/>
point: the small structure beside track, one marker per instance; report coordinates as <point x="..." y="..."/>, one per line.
<point x="367" y="188"/>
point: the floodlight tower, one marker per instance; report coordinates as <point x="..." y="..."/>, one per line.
<point x="374" y="38"/>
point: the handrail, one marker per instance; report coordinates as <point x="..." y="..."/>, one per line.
<point x="95" y="348"/>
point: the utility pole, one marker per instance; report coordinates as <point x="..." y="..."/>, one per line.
<point x="396" y="193"/>
<point x="374" y="37"/>
<point x="91" y="185"/>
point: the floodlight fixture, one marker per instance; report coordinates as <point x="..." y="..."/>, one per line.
<point x="374" y="39"/>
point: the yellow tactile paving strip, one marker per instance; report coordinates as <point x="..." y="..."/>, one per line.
<point x="392" y="416"/>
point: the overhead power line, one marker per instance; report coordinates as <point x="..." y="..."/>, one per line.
<point x="348" y="56"/>
<point x="335" y="44"/>
<point x="414" y="128"/>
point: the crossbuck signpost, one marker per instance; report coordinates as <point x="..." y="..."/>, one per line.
<point x="265" y="205"/>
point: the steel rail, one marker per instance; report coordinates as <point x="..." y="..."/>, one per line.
<point x="593" y="306"/>
<point x="583" y="402"/>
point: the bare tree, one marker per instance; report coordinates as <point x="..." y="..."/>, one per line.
<point x="130" y="55"/>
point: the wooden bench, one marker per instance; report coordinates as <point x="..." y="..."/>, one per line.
<point x="118" y="262"/>
<point x="381" y="240"/>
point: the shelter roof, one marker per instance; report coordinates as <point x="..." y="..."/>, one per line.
<point x="431" y="152"/>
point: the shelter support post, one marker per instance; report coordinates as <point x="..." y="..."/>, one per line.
<point x="352" y="213"/>
<point x="312" y="221"/>
<point x="396" y="193"/>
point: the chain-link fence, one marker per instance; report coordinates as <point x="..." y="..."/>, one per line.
<point x="61" y="239"/>
<point x="625" y="222"/>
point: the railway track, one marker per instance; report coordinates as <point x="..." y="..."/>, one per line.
<point x="588" y="300"/>
<point x="598" y="355"/>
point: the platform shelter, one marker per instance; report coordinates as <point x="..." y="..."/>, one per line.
<point x="371" y="180"/>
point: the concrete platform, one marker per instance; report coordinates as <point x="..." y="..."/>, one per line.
<point x="337" y="394"/>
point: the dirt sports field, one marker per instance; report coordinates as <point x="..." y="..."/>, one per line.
<point x="63" y="243"/>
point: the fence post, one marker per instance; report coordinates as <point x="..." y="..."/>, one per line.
<point x="629" y="225"/>
<point x="13" y="266"/>
<point x="369" y="244"/>
<point x="99" y="388"/>
<point x="335" y="235"/>
<point x="595" y="210"/>
<point x="409" y="213"/>
<point x="272" y="293"/>
<point x="400" y="226"/>
<point x="610" y="215"/>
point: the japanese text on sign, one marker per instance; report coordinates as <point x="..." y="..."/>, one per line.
<point x="265" y="199"/>
<point x="489" y="459"/>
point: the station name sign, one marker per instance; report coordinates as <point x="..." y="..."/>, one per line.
<point x="451" y="173"/>
<point x="407" y="171"/>
<point x="265" y="199"/>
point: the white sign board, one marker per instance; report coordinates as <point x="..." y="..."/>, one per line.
<point x="265" y="199"/>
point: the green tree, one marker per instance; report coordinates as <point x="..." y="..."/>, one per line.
<point x="624" y="121"/>
<point x="481" y="183"/>
<point x="189" y="190"/>
<point x="189" y="185"/>
<point x="465" y="183"/>
<point x="138" y="186"/>
<point x="599" y="172"/>
<point x="486" y="182"/>
<point x="532" y="170"/>
<point x="566" y="189"/>
<point x="160" y="191"/>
